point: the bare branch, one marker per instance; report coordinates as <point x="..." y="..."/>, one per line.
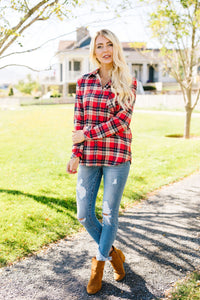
<point x="26" y="5"/>
<point x="197" y="99"/>
<point x="180" y="47"/>
<point x="36" y="48"/>
<point x="15" y="37"/>
<point x="50" y="40"/>
<point x="192" y="48"/>
<point x="28" y="67"/>
<point x="26" y="26"/>
<point x="25" y="18"/>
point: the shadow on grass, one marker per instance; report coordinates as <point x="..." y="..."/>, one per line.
<point x="52" y="202"/>
<point x="177" y="135"/>
<point x="66" y="207"/>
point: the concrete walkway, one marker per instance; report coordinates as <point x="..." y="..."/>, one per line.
<point x="166" y="112"/>
<point x="160" y="238"/>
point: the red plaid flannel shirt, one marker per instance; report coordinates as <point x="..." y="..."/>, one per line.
<point x="104" y="122"/>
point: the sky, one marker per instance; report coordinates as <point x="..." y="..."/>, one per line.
<point x="129" y="25"/>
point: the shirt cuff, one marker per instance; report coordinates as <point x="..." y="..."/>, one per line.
<point x="78" y="154"/>
<point x="86" y="133"/>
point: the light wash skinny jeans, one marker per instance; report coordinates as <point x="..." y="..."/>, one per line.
<point x="89" y="178"/>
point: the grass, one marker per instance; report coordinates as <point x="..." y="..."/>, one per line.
<point x="186" y="289"/>
<point x="37" y="197"/>
<point x="171" y="87"/>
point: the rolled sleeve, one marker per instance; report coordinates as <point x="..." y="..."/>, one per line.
<point x="77" y="149"/>
<point x="119" y="123"/>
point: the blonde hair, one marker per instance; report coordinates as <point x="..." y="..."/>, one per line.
<point x="120" y="76"/>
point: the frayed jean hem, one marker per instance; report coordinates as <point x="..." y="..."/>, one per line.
<point x="100" y="257"/>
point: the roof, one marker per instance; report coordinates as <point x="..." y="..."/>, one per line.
<point x="135" y="49"/>
<point x="69" y="45"/>
<point x="65" y="45"/>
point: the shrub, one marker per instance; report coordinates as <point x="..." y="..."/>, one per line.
<point x="10" y="93"/>
<point x="55" y="94"/>
<point x="149" y="88"/>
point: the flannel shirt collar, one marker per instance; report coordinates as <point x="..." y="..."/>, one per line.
<point x="95" y="73"/>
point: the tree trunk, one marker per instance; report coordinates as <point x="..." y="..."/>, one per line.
<point x="187" y="122"/>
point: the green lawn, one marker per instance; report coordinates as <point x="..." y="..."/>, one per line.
<point x="37" y="197"/>
<point x="186" y="289"/>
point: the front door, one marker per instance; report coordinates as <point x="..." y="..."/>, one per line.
<point x="151" y="74"/>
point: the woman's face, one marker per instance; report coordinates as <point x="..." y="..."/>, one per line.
<point x="104" y="50"/>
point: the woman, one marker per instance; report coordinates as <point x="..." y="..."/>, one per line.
<point x="102" y="148"/>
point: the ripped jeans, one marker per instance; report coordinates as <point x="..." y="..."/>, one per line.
<point x="114" y="179"/>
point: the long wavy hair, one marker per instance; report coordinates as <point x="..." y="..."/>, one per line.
<point x="120" y="74"/>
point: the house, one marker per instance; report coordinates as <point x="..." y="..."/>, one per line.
<point x="73" y="61"/>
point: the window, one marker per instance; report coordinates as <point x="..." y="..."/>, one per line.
<point x="77" y="65"/>
<point x="70" y="65"/>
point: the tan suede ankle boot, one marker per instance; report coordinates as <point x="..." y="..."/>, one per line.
<point x="117" y="261"/>
<point x="95" y="282"/>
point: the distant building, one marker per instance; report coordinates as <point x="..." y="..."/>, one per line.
<point x="73" y="61"/>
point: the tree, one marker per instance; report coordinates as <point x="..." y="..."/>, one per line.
<point x="176" y="24"/>
<point x="18" y="15"/>
<point x="28" y="86"/>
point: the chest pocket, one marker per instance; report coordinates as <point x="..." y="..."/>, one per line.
<point x="112" y="105"/>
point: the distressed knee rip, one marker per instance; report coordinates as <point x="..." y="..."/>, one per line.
<point x="82" y="220"/>
<point x="81" y="191"/>
<point x="114" y="181"/>
<point x="106" y="213"/>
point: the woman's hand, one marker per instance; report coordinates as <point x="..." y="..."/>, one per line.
<point x="72" y="165"/>
<point x="78" y="136"/>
